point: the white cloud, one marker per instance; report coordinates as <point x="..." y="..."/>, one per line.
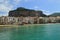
<point x="1" y="0"/>
<point x="6" y="6"/>
<point x="44" y="11"/>
<point x="47" y="12"/>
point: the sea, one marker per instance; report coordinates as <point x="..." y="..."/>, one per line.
<point x="31" y="32"/>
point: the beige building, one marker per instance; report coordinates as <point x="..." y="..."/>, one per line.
<point x="28" y="20"/>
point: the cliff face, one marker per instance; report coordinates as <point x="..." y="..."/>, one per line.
<point x="25" y="12"/>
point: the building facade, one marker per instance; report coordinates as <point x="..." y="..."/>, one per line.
<point x="5" y="20"/>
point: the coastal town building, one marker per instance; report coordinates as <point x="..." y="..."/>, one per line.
<point x="5" y="20"/>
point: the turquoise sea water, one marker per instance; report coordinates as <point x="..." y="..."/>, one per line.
<point x="32" y="32"/>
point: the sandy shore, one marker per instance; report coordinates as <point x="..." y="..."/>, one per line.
<point x="26" y="25"/>
<point x="8" y="26"/>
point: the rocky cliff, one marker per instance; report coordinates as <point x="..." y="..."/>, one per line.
<point x="25" y="12"/>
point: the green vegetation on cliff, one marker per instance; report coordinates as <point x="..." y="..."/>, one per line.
<point x="55" y="14"/>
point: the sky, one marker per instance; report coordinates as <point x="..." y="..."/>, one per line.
<point x="47" y="6"/>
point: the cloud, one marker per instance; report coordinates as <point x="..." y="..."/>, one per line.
<point x="6" y="6"/>
<point x="1" y="1"/>
<point x="47" y="12"/>
<point x="44" y="11"/>
<point x="18" y="1"/>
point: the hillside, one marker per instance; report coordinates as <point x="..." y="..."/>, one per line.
<point x="25" y="12"/>
<point x="55" y="14"/>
